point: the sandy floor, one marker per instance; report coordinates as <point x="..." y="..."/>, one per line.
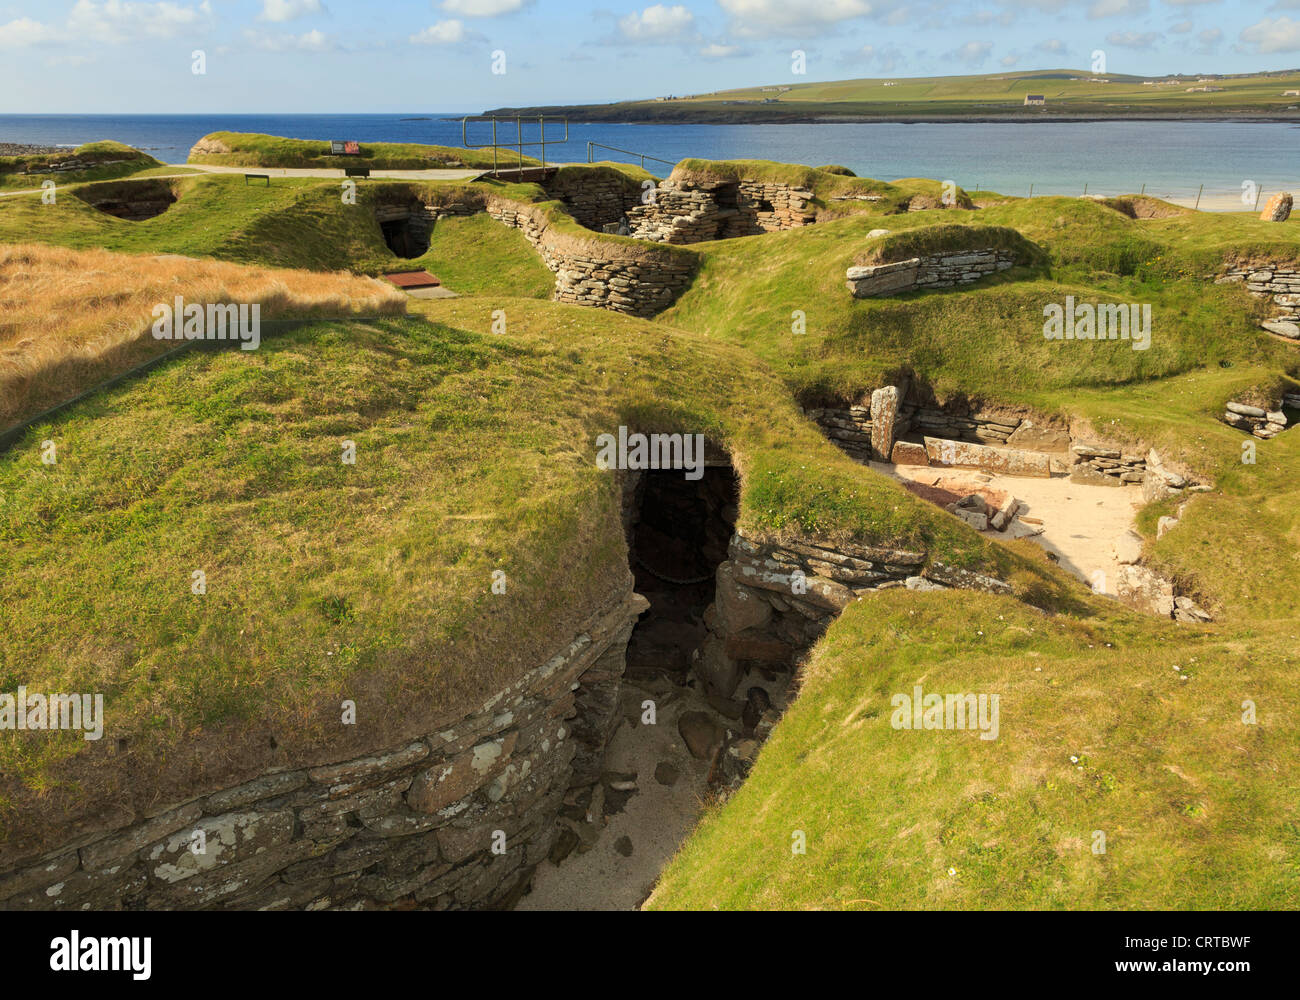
<point x="658" y="818"/>
<point x="1080" y="523"/>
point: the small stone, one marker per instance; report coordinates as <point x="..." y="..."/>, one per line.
<point x="624" y="846"/>
<point x="700" y="732"/>
<point x="666" y="774"/>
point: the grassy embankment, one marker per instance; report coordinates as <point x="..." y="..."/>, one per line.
<point x="109" y="160"/>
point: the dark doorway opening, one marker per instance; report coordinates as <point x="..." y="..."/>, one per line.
<point x="397" y="234"/>
<point x="678" y="534"/>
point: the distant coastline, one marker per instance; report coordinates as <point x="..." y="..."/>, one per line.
<point x="713" y="114"/>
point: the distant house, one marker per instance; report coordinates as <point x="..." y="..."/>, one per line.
<point x="891" y="84"/>
<point x="1035" y="99"/>
<point x="1204" y="90"/>
<point x="1291" y="93"/>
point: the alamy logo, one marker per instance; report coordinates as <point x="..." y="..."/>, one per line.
<point x="94" y="954"/>
<point x="23" y="711"/>
<point x="953" y="711"/>
<point x="215" y="321"/>
<point x="638" y="452"/>
<point x="1101" y="321"/>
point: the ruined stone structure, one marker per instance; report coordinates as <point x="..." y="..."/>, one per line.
<point x="775" y="599"/>
<point x="609" y="275"/>
<point x="456" y="818"/>
<point x="689" y="211"/>
<point x="941" y="270"/>
<point x="1280" y="283"/>
<point x="1255" y="420"/>
<point x="594" y="198"/>
<point x="133" y="201"/>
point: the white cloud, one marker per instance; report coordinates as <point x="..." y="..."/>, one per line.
<point x="1010" y="59"/>
<point x="972" y="53"/>
<point x="450" y="32"/>
<point x="1116" y="8"/>
<point x="1133" y="39"/>
<point x="659" y="23"/>
<point x="484" y="8"/>
<point x="279" y="11"/>
<point x="1191" y="3"/>
<point x="885" y="58"/>
<point x="310" y="41"/>
<point x="1273" y="34"/>
<point x="1181" y="28"/>
<point x="758" y="18"/>
<point x="719" y="51"/>
<point x="112" y="22"/>
<point x="20" y="33"/>
<point x="1050" y="45"/>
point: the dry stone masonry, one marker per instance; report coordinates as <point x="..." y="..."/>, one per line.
<point x="941" y="270"/>
<point x="775" y="599"/>
<point x="1255" y="420"/>
<point x="595" y="198"/>
<point x="1280" y="283"/>
<point x="455" y="819"/>
<point x="623" y="277"/>
<point x="689" y="211"/>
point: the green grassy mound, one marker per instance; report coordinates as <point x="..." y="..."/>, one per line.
<point x="250" y="149"/>
<point x="370" y="581"/>
<point x="107" y="160"/>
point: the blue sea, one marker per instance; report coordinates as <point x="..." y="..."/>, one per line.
<point x="1170" y="159"/>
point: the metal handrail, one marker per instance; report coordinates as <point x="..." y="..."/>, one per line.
<point x="518" y="144"/>
<point x="627" y="152"/>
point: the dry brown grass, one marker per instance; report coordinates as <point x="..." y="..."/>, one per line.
<point x="70" y="319"/>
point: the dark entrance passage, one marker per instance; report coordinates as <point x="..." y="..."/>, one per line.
<point x="678" y="534"/>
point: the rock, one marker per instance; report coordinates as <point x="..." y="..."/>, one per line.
<point x="1283" y="328"/>
<point x="1088" y="476"/>
<point x="1278" y="208"/>
<point x="1140" y="588"/>
<point x="566" y="840"/>
<point x="909" y="453"/>
<point x="738" y="608"/>
<point x="1005" y="461"/>
<point x="1030" y="437"/>
<point x="883" y="279"/>
<point x="701" y="734"/>
<point x="976" y="519"/>
<point x="877" y="232"/>
<point x="624" y="846"/>
<point x="1127" y="548"/>
<point x="666" y="774"/>
<point x="719" y="672"/>
<point x="450" y="781"/>
<point x="754" y="646"/>
<point x="921" y="583"/>
<point x="1164" y="524"/>
<point x="728" y="708"/>
<point x="757" y="701"/>
<point x="884" y="411"/>
<point x="1245" y="410"/>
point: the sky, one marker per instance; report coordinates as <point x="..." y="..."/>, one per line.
<point x="341" y="56"/>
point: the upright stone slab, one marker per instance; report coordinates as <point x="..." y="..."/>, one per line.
<point x="1278" y="208"/>
<point x="884" y="411"/>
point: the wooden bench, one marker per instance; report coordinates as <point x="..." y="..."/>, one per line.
<point x="356" y="171"/>
<point x="257" y="177"/>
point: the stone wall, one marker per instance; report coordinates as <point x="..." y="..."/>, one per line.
<point x="773" y="599"/>
<point x="851" y="427"/>
<point x="595" y="197"/>
<point x="455" y="819"/>
<point x="941" y="270"/>
<point x="1280" y="284"/>
<point x="1255" y="420"/>
<point x="1099" y="465"/>
<point x="625" y="278"/>
<point x="686" y="211"/>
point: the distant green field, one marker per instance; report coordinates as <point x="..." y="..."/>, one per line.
<point x="1066" y="92"/>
